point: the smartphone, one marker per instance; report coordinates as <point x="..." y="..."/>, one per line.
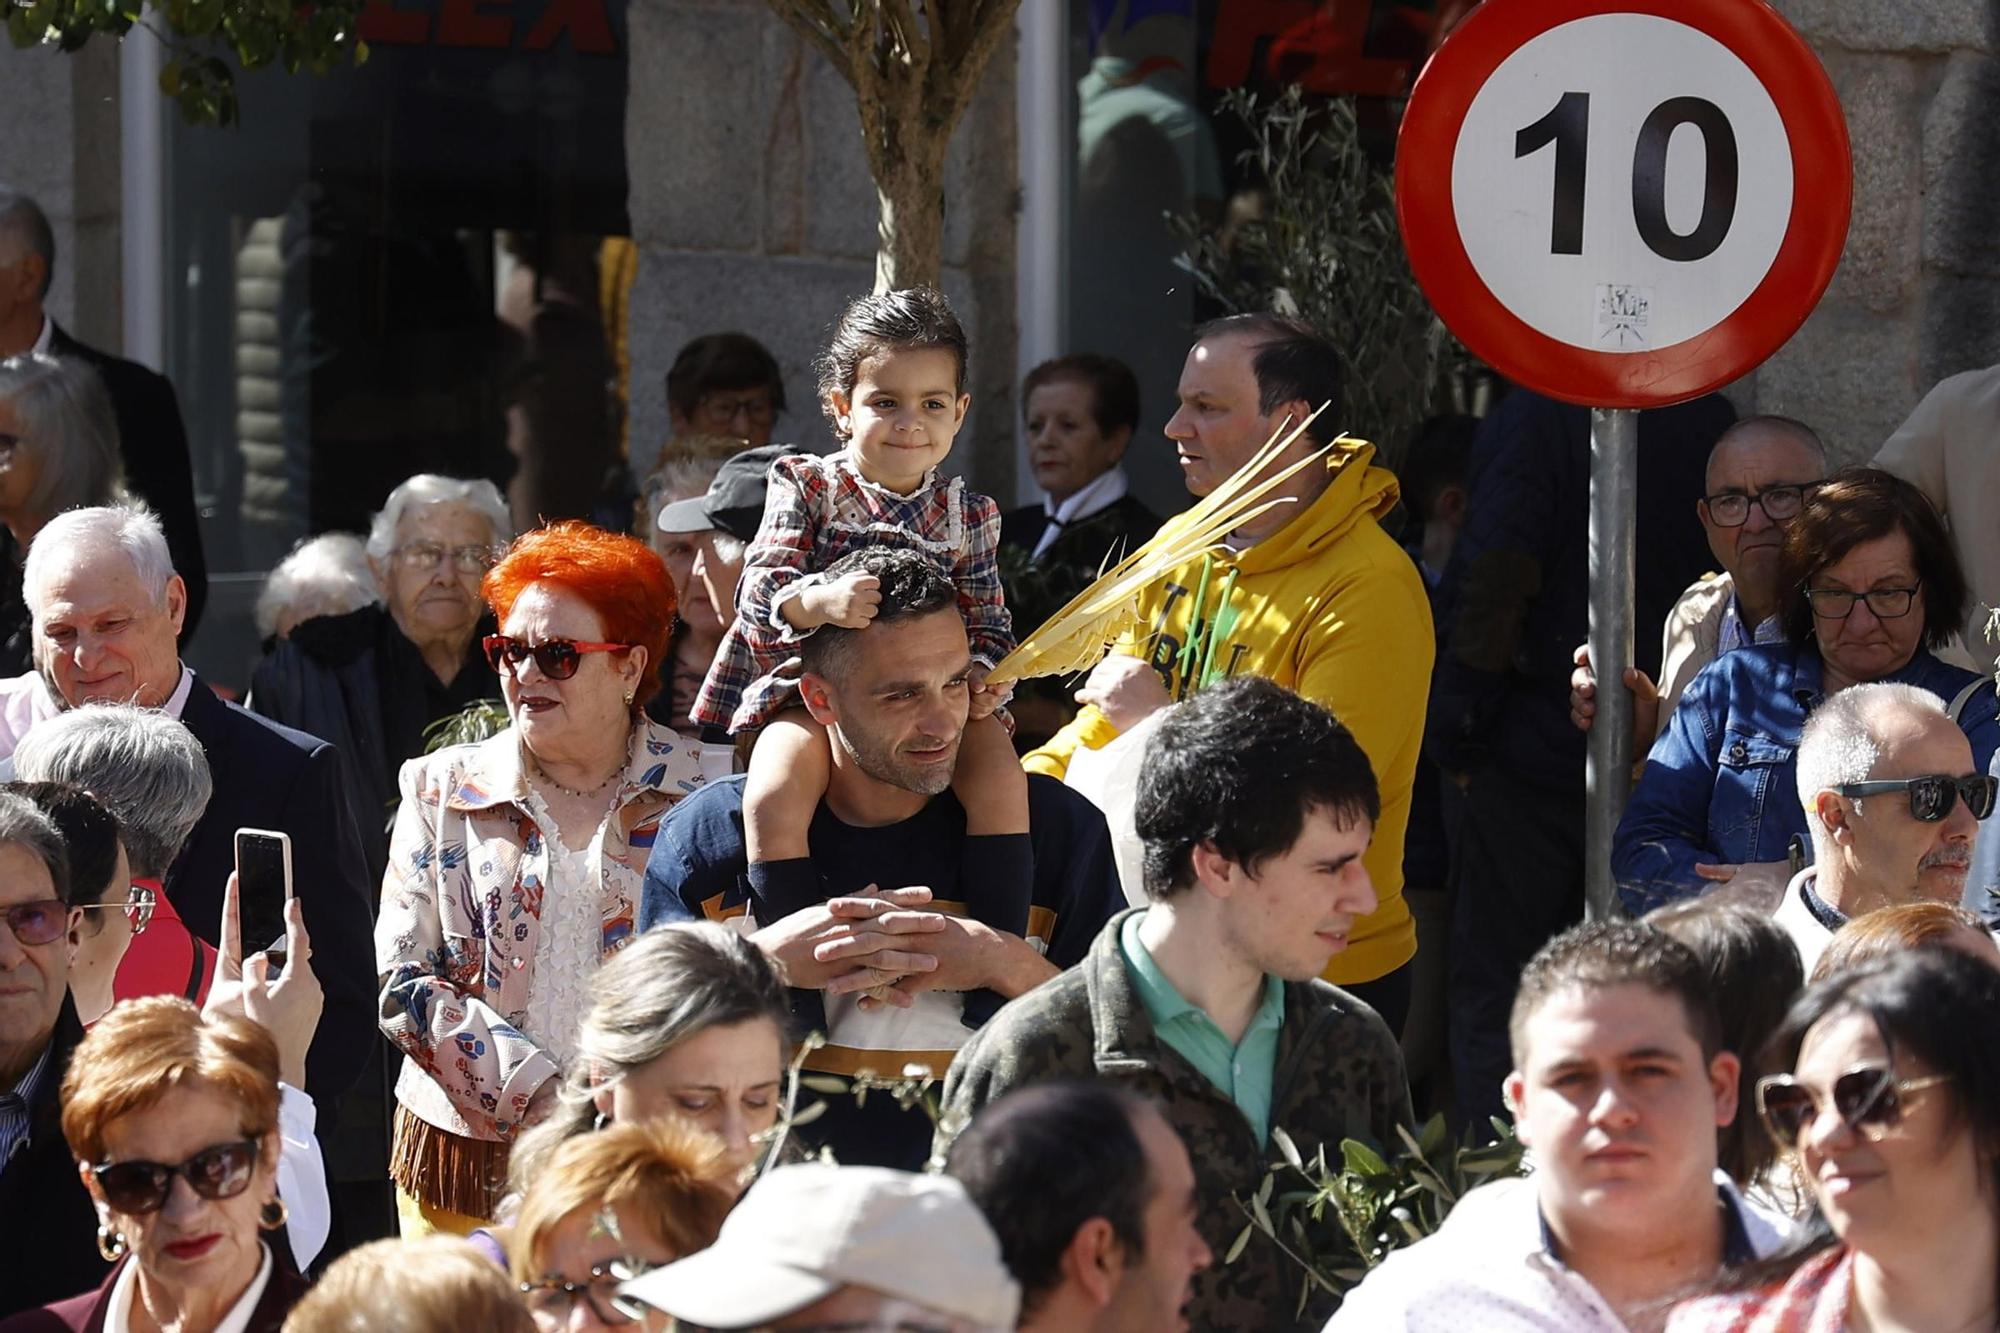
<point x="264" y="880"/>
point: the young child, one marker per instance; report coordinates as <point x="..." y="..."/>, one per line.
<point x="893" y="384"/>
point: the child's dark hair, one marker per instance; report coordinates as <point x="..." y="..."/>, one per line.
<point x="912" y="317"/>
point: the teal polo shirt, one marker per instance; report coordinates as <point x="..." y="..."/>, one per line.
<point x="1241" y="1072"/>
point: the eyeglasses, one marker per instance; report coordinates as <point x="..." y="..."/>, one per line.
<point x="428" y="555"/>
<point x="1933" y="795"/>
<point x="558" y="658"/>
<point x="555" y="1297"/>
<point x="758" y="408"/>
<point x="1780" y="504"/>
<point x="1869" y="1101"/>
<point x="138" y="908"/>
<point x="42" y="921"/>
<point x="137" y="1188"/>
<point x="1838" y="603"/>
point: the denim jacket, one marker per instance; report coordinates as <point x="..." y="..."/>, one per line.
<point x="1721" y="784"/>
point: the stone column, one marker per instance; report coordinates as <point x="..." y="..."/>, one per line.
<point x="1917" y="296"/>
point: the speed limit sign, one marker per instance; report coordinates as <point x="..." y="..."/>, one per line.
<point x="1623" y="203"/>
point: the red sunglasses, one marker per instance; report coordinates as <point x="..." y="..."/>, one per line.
<point x="558" y="658"/>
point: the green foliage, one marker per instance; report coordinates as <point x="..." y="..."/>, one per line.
<point x="1327" y="249"/>
<point x="476" y="722"/>
<point x="203" y="38"/>
<point x="1338" y="1220"/>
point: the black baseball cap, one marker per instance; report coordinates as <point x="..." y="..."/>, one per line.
<point x="735" y="500"/>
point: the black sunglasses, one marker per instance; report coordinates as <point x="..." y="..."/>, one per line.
<point x="1933" y="795"/>
<point x="558" y="658"/>
<point x="42" y="921"/>
<point x="1869" y="1101"/>
<point x="137" y="1188"/>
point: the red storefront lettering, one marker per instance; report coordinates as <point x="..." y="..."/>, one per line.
<point x="461" y="24"/>
<point x="588" y="26"/>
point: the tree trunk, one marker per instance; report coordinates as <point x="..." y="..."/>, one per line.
<point x="912" y="79"/>
<point x="909" y="249"/>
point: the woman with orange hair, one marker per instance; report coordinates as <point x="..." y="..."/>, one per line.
<point x="516" y="863"/>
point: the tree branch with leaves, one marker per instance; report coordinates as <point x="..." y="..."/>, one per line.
<point x="914" y="66"/>
<point x="198" y="35"/>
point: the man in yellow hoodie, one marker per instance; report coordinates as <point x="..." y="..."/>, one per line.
<point x="1313" y="595"/>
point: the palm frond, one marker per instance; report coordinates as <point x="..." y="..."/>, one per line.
<point x="1076" y="637"/>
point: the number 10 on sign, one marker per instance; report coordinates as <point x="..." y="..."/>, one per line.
<point x="1602" y="198"/>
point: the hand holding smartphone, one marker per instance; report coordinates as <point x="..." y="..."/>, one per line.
<point x="280" y="992"/>
<point x="264" y="875"/>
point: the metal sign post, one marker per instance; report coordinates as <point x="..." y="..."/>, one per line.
<point x="1622" y="204"/>
<point x="1614" y="477"/>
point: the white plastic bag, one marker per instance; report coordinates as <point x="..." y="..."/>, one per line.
<point x="1110" y="778"/>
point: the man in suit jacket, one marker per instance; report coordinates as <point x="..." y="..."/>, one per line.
<point x="107" y="606"/>
<point x="46" y="1219"/>
<point x="152" y="442"/>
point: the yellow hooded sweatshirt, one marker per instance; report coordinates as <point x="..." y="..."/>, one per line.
<point x="1328" y="606"/>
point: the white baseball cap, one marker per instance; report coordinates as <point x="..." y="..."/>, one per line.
<point x="803" y="1232"/>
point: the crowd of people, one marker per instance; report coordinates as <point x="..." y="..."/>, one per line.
<point x="759" y="947"/>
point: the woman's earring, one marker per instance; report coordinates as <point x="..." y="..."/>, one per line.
<point x="601" y="1121"/>
<point x="629" y="696"/>
<point x="275" y="1214"/>
<point x="110" y="1244"/>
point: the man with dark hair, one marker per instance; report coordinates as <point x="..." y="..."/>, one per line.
<point x="886" y="848"/>
<point x="725" y="384"/>
<point x="1311" y="594"/>
<point x="1094" y="1200"/>
<point x="152" y="443"/>
<point x="1618" y="1088"/>
<point x="1255" y="809"/>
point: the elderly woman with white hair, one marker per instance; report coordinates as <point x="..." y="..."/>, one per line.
<point x="372" y="680"/>
<point x="327" y="575"/>
<point x="58" y="450"/>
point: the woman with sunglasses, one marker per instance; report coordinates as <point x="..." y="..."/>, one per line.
<point x="1871" y="591"/>
<point x="516" y="862"/>
<point x="173" y="1119"/>
<point x="1892" y="1113"/>
<point x="613" y="1205"/>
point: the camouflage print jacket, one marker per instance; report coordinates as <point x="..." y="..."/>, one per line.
<point x="1339" y="1074"/>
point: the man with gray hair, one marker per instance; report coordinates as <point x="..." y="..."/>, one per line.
<point x="152" y="442"/>
<point x="1892" y="798"/>
<point x="107" y="605"/>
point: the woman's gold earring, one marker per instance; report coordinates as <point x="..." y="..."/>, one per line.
<point x="629" y="696"/>
<point x="110" y="1244"/>
<point x="275" y="1214"/>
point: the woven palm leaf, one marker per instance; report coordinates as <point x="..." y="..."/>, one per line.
<point x="1075" y="638"/>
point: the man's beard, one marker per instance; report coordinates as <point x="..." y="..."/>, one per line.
<point x="882" y="763"/>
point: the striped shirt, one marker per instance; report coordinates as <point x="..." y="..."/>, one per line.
<point x="17" y="1109"/>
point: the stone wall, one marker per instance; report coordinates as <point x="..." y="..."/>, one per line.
<point x="1917" y="296"/>
<point x="61" y="146"/>
<point x="752" y="209"/>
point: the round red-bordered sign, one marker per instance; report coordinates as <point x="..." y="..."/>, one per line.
<point x="1803" y="247"/>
